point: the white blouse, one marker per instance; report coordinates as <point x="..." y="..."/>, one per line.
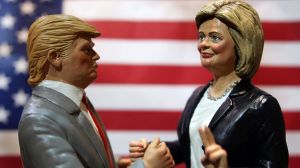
<point x="202" y="116"/>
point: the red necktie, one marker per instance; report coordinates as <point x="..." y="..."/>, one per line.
<point x="100" y="130"/>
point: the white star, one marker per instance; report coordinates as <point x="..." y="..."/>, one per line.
<point x="21" y="65"/>
<point x="4" y="81"/>
<point x="5" y="50"/>
<point x="27" y="8"/>
<point x="20" y="98"/>
<point x="8" y="21"/>
<point x="22" y="35"/>
<point x="3" y="115"/>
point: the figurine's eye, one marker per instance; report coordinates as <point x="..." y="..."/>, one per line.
<point x="201" y="36"/>
<point x="215" y="37"/>
<point x="88" y="50"/>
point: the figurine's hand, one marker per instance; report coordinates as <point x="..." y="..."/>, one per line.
<point x="137" y="149"/>
<point x="215" y="156"/>
<point x="158" y="155"/>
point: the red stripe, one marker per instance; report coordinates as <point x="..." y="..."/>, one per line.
<point x="155" y="74"/>
<point x="164" y="120"/>
<point x="277" y="76"/>
<point x="292" y="120"/>
<point x="183" y="30"/>
<point x="15" y="162"/>
<point x="146" y="30"/>
<point x="150" y="74"/>
<point x="285" y="31"/>
<point x="10" y="161"/>
<point x="139" y="120"/>
<point x="294" y="161"/>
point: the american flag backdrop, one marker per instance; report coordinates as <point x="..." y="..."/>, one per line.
<point x="149" y="65"/>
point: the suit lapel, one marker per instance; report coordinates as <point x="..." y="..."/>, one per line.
<point x="241" y="88"/>
<point x="226" y="106"/>
<point x="56" y="98"/>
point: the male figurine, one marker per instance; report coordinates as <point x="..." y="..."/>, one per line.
<point x="59" y="126"/>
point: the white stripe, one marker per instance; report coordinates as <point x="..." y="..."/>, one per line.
<point x="293" y="139"/>
<point x="170" y="10"/>
<point x="139" y="97"/>
<point x="287" y="96"/>
<point x="281" y="10"/>
<point x="169" y="97"/>
<point x="120" y="139"/>
<point x="9" y="144"/>
<point x="133" y="10"/>
<point x="175" y="52"/>
<point x="157" y="52"/>
<point x="281" y="54"/>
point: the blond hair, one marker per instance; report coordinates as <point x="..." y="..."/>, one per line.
<point x="52" y="33"/>
<point x="245" y="29"/>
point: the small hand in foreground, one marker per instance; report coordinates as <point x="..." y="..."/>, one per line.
<point x="137" y="149"/>
<point x="215" y="155"/>
<point x="158" y="155"/>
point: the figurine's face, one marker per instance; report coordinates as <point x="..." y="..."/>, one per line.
<point x="216" y="47"/>
<point x="80" y="67"/>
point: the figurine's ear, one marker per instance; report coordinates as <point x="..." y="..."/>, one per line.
<point x="54" y="58"/>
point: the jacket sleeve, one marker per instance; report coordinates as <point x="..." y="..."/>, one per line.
<point x="44" y="144"/>
<point x="176" y="151"/>
<point x="271" y="134"/>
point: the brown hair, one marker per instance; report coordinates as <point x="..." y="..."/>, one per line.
<point x="52" y="33"/>
<point x="245" y="29"/>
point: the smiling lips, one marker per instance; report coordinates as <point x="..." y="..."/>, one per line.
<point x="206" y="55"/>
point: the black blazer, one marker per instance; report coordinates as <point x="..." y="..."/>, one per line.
<point x="249" y="125"/>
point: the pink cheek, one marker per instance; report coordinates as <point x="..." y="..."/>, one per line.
<point x="218" y="48"/>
